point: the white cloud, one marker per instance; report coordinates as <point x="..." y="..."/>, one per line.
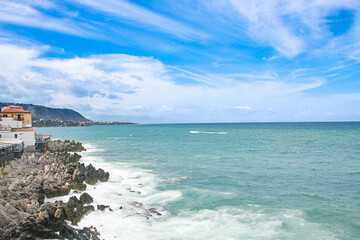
<point x="105" y="83"/>
<point x="134" y="107"/>
<point x="243" y="108"/>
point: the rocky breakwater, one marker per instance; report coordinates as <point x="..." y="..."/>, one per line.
<point x="25" y="183"/>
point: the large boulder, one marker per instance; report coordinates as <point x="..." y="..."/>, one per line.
<point x="78" y="186"/>
<point x="103" y="176"/>
<point x="85" y="198"/>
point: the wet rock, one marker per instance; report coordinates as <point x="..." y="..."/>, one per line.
<point x="92" y="175"/>
<point x="74" y="202"/>
<point x="103" y="176"/>
<point x="80" y="234"/>
<point x="85" y="198"/>
<point x="102" y="207"/>
<point x="81" y="212"/>
<point x="78" y="186"/>
<point x="153" y="210"/>
<point x="74" y="210"/>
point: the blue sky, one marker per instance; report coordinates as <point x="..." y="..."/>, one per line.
<point x="184" y="61"/>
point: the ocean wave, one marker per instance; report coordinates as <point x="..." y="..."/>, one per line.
<point x="221" y="223"/>
<point x="194" y="132"/>
<point x="132" y="194"/>
<point x="90" y="148"/>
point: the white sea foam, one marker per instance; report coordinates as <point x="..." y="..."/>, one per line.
<point x="175" y="179"/>
<point x="194" y="132"/>
<point x="222" y="223"/>
<point x="131" y="192"/>
<point x="91" y="148"/>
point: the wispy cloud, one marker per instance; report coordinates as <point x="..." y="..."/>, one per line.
<point x="128" y="11"/>
<point x="26" y="15"/>
<point x="291" y="27"/>
<point x="265" y="24"/>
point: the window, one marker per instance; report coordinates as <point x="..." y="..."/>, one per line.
<point x="15" y="136"/>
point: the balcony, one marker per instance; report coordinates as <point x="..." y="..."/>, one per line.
<point x="26" y="129"/>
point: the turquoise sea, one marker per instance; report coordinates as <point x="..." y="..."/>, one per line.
<point x="224" y="181"/>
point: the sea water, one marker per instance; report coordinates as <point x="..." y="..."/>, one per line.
<point x="224" y="181"/>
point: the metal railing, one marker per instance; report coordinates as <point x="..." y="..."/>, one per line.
<point x="24" y="129"/>
<point x="2" y="128"/>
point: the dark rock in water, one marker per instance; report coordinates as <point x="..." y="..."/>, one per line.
<point x="85" y="198"/>
<point x="80" y="234"/>
<point x="74" y="210"/>
<point x="91" y="180"/>
<point x="90" y="175"/>
<point x="103" y="176"/>
<point x="102" y="207"/>
<point x="81" y="212"/>
<point x="78" y="186"/>
<point x="153" y="210"/>
<point x="74" y="202"/>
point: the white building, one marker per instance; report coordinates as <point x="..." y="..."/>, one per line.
<point x="15" y="123"/>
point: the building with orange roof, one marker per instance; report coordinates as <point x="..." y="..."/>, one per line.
<point x="18" y="114"/>
<point x="16" y="124"/>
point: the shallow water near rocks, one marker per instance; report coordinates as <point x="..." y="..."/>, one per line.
<point x="224" y="181"/>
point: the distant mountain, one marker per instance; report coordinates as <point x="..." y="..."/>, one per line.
<point x="47" y="113"/>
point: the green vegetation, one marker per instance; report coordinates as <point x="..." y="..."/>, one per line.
<point x="3" y="173"/>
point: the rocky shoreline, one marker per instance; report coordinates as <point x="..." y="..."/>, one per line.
<point x="24" y="184"/>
